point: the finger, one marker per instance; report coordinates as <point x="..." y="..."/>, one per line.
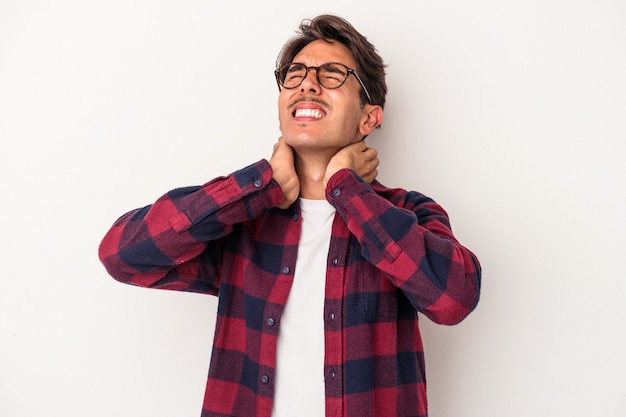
<point x="370" y="155"/>
<point x="275" y="149"/>
<point x="360" y="145"/>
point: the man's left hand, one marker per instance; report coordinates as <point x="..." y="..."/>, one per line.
<point x="357" y="157"/>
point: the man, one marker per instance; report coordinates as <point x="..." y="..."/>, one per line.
<point x="320" y="270"/>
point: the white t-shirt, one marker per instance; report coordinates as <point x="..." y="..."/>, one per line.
<point x="299" y="387"/>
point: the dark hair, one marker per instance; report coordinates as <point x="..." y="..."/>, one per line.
<point x="331" y="28"/>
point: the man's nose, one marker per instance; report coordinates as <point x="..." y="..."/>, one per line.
<point x="310" y="82"/>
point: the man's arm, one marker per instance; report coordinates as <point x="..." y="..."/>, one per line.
<point x="408" y="236"/>
<point x="174" y="243"/>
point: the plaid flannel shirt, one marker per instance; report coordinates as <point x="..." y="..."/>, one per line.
<point x="392" y="255"/>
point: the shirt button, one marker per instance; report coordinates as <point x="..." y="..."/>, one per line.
<point x="265" y="379"/>
<point x="285" y="270"/>
<point x="335" y="261"/>
<point x="295" y="217"/>
<point x="333" y="374"/>
<point x="336" y="192"/>
<point x="270" y="322"/>
<point x="332" y="316"/>
<point x="258" y="183"/>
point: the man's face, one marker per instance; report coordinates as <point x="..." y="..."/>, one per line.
<point x="316" y="118"/>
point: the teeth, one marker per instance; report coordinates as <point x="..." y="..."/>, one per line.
<point x="318" y="114"/>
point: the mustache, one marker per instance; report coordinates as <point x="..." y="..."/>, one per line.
<point x="308" y="99"/>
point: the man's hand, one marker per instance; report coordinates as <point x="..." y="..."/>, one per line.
<point x="357" y="157"/>
<point x="284" y="172"/>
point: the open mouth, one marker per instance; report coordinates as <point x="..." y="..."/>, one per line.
<point x="309" y="113"/>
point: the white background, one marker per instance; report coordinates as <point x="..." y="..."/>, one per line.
<point x="511" y="114"/>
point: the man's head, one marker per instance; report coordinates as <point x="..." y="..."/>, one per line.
<point x="332" y="86"/>
<point x="369" y="65"/>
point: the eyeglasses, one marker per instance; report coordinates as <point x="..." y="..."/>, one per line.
<point x="330" y="75"/>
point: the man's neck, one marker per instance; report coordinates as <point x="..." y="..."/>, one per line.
<point x="311" y="172"/>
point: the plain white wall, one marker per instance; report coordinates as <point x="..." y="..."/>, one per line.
<point x="511" y="114"/>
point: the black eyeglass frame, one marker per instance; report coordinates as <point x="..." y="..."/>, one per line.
<point x="349" y="71"/>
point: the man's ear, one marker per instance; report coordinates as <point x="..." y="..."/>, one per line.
<point x="372" y="118"/>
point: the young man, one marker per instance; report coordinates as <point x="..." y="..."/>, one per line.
<point x="320" y="270"/>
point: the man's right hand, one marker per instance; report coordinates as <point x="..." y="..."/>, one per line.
<point x="284" y="172"/>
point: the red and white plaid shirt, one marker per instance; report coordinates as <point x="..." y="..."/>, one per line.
<point x="392" y="255"/>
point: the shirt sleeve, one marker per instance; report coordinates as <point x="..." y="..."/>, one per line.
<point x="176" y="242"/>
<point x="408" y="237"/>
